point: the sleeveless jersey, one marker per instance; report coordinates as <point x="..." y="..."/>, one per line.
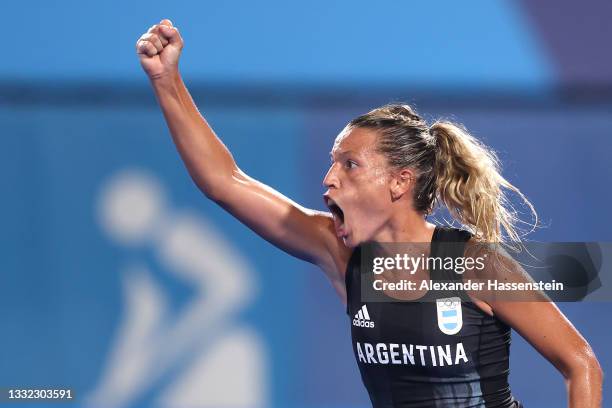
<point x="444" y="352"/>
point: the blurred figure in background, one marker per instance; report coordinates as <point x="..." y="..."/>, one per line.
<point x="202" y="341"/>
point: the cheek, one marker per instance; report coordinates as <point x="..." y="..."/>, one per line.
<point x="378" y="177"/>
<point x="376" y="186"/>
<point x="369" y="193"/>
<point x="374" y="197"/>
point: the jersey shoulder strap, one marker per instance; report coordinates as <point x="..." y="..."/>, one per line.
<point x="449" y="244"/>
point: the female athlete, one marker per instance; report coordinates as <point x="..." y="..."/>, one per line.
<point x="389" y="169"/>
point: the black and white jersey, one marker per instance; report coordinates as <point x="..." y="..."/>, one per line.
<point x="443" y="352"/>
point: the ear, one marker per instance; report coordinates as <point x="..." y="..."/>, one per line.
<point x="401" y="183"/>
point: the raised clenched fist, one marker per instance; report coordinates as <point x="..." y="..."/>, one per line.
<point x="159" y="49"/>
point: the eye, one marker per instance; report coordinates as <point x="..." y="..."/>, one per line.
<point x="349" y="164"/>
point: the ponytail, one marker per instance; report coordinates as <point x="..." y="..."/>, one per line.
<point x="469" y="183"/>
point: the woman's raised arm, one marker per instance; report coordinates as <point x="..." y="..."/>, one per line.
<point x="304" y="233"/>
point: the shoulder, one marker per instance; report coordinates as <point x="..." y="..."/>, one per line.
<point x="499" y="273"/>
<point x="494" y="260"/>
<point x="446" y="233"/>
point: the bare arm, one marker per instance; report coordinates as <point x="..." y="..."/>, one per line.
<point x="304" y="233"/>
<point x="544" y="326"/>
<point x="539" y="321"/>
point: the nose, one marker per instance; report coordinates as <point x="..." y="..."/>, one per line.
<point x="331" y="178"/>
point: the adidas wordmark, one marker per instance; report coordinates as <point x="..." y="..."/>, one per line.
<point x="362" y="318"/>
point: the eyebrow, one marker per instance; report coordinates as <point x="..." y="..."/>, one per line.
<point x="341" y="153"/>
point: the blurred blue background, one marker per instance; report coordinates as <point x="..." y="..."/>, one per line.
<point x="121" y="281"/>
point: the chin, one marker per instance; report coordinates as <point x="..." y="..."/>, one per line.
<point x="349" y="242"/>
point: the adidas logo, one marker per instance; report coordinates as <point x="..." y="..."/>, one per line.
<point x="362" y="318"/>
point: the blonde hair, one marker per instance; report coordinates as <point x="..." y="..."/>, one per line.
<point x="453" y="168"/>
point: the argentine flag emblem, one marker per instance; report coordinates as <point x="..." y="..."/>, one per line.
<point x="450" y="318"/>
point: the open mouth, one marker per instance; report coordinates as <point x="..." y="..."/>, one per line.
<point x="338" y="215"/>
<point x="335" y="209"/>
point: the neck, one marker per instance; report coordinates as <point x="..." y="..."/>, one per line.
<point x="406" y="226"/>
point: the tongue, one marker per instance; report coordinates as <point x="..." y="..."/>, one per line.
<point x="339" y="224"/>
